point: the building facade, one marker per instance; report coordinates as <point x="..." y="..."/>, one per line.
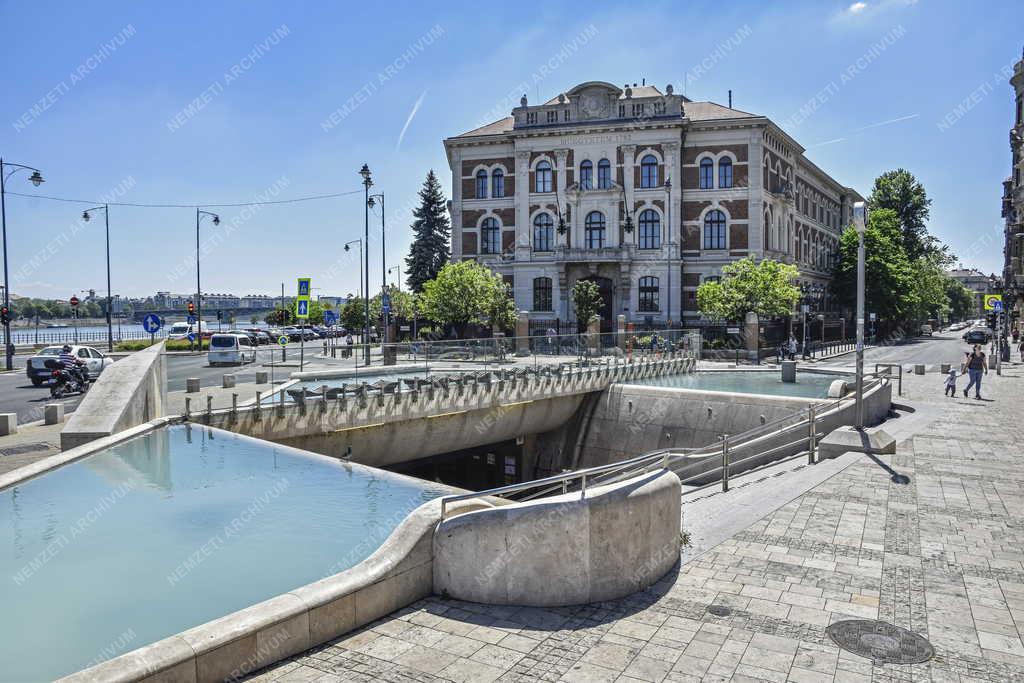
<point x="645" y="192"/>
<point x="1013" y="199"/>
<point x="977" y="282"/>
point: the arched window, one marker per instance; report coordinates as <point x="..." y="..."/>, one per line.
<point x="543" y="229"/>
<point x="587" y="175"/>
<point x="714" y="230"/>
<point x="542" y="182"/>
<point x="707" y="174"/>
<point x="498" y="183"/>
<point x="490" y="236"/>
<point x="604" y="174"/>
<point x="649" y="171"/>
<point x="594" y="228"/>
<point x="649" y="294"/>
<point x="542" y="294"/>
<point x="725" y="172"/>
<point x="650" y="229"/>
<point x="481" y="184"/>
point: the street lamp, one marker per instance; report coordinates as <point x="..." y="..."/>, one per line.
<point x="199" y="289"/>
<point x="383" y="277"/>
<point x="360" y="243"/>
<point x="106" y="227"/>
<point x="627" y="226"/>
<point x="36" y="179"/>
<point x="668" y="233"/>
<point x="397" y="267"/>
<point x="367" y="184"/>
<point x="860" y="217"/>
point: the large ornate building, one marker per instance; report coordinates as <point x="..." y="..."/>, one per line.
<point x="645" y="192"/>
<point x="1013" y="199"/>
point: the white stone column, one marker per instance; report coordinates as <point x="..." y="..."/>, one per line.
<point x="522" y="204"/>
<point x="758" y="200"/>
<point x="456" y="205"/>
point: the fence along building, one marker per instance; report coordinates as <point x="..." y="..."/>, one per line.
<point x="542" y="197"/>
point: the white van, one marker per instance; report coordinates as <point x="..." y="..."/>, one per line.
<point x="231" y="349"/>
<point x="181" y="331"/>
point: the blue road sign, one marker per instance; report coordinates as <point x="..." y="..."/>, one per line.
<point x="282" y="340"/>
<point x="151" y="323"/>
<point x="191" y="320"/>
<point x="191" y="337"/>
<point x="997" y="305"/>
<point x="302" y="308"/>
<point x="385" y="300"/>
<point x="330" y="318"/>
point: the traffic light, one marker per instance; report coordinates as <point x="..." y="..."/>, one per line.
<point x="220" y="315"/>
<point x="990" y="321"/>
<point x="5" y="315"/>
<point x="191" y="308"/>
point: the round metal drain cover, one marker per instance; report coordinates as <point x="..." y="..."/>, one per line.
<point x="719" y="610"/>
<point x="880" y="642"/>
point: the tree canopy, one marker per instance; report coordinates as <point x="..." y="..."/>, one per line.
<point x="431" y="235"/>
<point x="467" y="293"/>
<point x="586" y="301"/>
<point x="902" y="193"/>
<point x="765" y="287"/>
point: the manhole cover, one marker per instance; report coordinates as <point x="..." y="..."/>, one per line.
<point x="25" y="448"/>
<point x="719" y="610"/>
<point x="880" y="642"/>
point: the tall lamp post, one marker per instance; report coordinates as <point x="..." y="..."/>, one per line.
<point x="36" y="179"/>
<point x="106" y="228"/>
<point x="347" y="248"/>
<point x="371" y="202"/>
<point x="398" y="268"/>
<point x="668" y="233"/>
<point x="860" y="217"/>
<point x="200" y="214"/>
<point x="367" y="184"/>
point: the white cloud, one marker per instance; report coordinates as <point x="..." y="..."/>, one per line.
<point x="857" y="7"/>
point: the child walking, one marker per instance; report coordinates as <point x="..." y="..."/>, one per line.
<point x="951" y="383"/>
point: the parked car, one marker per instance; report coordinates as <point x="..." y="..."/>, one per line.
<point x="95" y="362"/>
<point x="926" y="330"/>
<point x="262" y="336"/>
<point x="978" y="335"/>
<point x="231" y="348"/>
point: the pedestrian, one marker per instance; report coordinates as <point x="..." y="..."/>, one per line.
<point x="951" y="383"/>
<point x="1016" y="335"/>
<point x="977" y="366"/>
<point x="349" y="344"/>
<point x="1021" y="349"/>
<point x="791" y="347"/>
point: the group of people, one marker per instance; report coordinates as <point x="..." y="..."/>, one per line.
<point x="974" y="365"/>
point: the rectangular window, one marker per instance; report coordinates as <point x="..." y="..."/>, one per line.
<point x="565" y="115"/>
<point x="648" y="294"/>
<point x="604" y="176"/>
<point x="552" y="117"/>
<point x="542" y="298"/>
<point x="531" y="118"/>
<point x="497" y="185"/>
<point x="659" y="108"/>
<point x="622" y="111"/>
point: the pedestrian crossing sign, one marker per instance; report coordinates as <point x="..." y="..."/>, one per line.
<point x="302" y="308"/>
<point x="993" y="302"/>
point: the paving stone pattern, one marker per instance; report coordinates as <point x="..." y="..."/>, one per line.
<point x="929" y="539"/>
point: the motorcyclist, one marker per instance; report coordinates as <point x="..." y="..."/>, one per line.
<point x="74" y="365"/>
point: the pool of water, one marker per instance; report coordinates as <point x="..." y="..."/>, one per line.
<point x="807" y="385"/>
<point x="173" y="529"/>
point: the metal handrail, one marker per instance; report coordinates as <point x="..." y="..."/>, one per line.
<point x="563" y="478"/>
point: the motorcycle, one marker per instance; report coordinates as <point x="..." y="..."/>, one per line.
<point x="63" y="381"/>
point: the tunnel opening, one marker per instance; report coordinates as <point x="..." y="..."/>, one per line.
<point x="475" y="469"/>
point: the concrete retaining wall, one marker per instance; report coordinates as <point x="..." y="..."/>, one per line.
<point x="565" y="550"/>
<point x="130" y="392"/>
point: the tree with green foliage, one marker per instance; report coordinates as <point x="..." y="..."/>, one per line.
<point x="961" y="299"/>
<point x="764" y="287"/>
<point x="586" y="302"/>
<point x="889" y="288"/>
<point x="929" y="298"/>
<point x="402" y="305"/>
<point x="352" y="315"/>
<point x="902" y="193"/>
<point x="281" y="317"/>
<point x="431" y="228"/>
<point x="467" y="293"/>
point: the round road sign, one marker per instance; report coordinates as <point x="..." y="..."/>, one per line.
<point x="73" y="301"/>
<point x="282" y="340"/>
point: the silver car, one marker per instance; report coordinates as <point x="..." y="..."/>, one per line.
<point x="95" y="362"/>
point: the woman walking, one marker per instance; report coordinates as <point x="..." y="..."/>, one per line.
<point x="976" y="367"/>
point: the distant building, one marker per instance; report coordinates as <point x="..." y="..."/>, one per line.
<point x="542" y="197"/>
<point x="1013" y="199"/>
<point x="977" y="282"/>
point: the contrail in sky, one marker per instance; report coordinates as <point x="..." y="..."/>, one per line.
<point x="415" y="108"/>
<point x="864" y="128"/>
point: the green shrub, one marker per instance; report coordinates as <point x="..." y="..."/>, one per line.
<point x="176" y="345"/>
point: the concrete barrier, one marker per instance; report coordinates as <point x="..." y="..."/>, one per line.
<point x="262" y="376"/>
<point x="228" y="381"/>
<point x="565" y="550"/>
<point x="919" y="369"/>
<point x="944" y="368"/>
<point x="192" y="385"/>
<point x="8" y="423"/>
<point x="53" y="413"/>
<point x="128" y="393"/>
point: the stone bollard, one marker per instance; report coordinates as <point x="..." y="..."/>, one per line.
<point x="789" y="371"/>
<point x="262" y="376"/>
<point x="944" y="368"/>
<point x="919" y="369"/>
<point x="53" y="413"/>
<point x="192" y="385"/>
<point x="8" y="423"/>
<point x="228" y="381"/>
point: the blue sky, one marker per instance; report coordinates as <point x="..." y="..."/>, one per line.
<point x="119" y="78"/>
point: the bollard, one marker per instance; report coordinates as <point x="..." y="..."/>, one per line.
<point x="8" y="423"/>
<point x="919" y="369"/>
<point x="188" y="407"/>
<point x="53" y="413"/>
<point x="192" y="385"/>
<point x="944" y="368"/>
<point x="259" y="409"/>
<point x="228" y="381"/>
<point x="262" y="376"/>
<point x="234" y="403"/>
<point x="209" y="406"/>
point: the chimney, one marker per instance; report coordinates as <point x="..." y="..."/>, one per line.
<point x="643" y="81"/>
<point x="730" y="99"/>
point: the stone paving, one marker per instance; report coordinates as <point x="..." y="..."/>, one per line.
<point x="929" y="539"/>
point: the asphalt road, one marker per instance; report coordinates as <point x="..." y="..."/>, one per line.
<point x="941" y="348"/>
